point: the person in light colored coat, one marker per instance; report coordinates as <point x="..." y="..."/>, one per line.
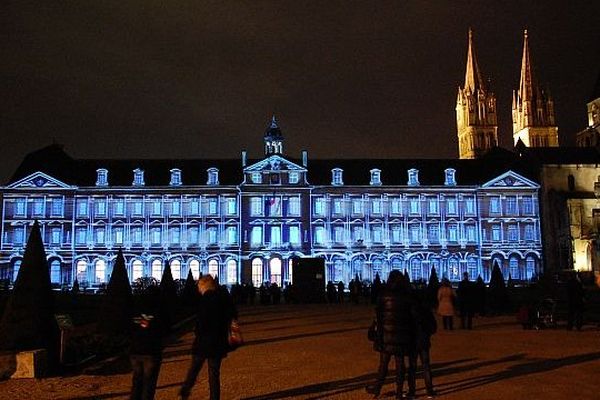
<point x="446" y="298"/>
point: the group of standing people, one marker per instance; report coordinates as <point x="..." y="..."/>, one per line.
<point x="469" y="297"/>
<point x="215" y="311"/>
<point x="403" y="327"/>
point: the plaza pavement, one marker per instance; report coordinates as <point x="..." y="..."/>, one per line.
<point x="321" y="352"/>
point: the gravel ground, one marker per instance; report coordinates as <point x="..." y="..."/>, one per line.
<point x="321" y="352"/>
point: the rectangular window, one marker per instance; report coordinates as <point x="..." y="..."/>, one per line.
<point x="118" y="232"/>
<point x="82" y="207"/>
<point x="396" y="234"/>
<point x="338" y="206"/>
<point x="193" y="235"/>
<point x="275" y="236"/>
<point x="137" y="235"/>
<point x="376" y="206"/>
<point x="231" y="206"/>
<point x="513" y="233"/>
<point x="119" y="207"/>
<point x="100" y="235"/>
<point x="294" y="177"/>
<point x="256" y="206"/>
<point x="294" y="206"/>
<point x="80" y="235"/>
<point x="433" y="206"/>
<point x="414" y="206"/>
<point x="57" y="207"/>
<point x="320" y="207"/>
<point x="156" y="207"/>
<point x="529" y="232"/>
<point x="511" y="205"/>
<point x="175" y="207"/>
<point x="357" y="206"/>
<point x="231" y="235"/>
<point x="527" y="205"/>
<point x="100" y="209"/>
<point x="256" y="236"/>
<point x="212" y="206"/>
<point x="453" y="233"/>
<point x="495" y="233"/>
<point x="396" y="207"/>
<point x="495" y="205"/>
<point x="274" y="204"/>
<point x="295" y="235"/>
<point x="377" y="234"/>
<point x="175" y="235"/>
<point x="256" y="177"/>
<point x="357" y="234"/>
<point x="338" y="234"/>
<point x="471" y="233"/>
<point x="20" y="208"/>
<point x="433" y="233"/>
<point x="469" y="206"/>
<point x="19" y="235"/>
<point x="415" y="233"/>
<point x="137" y="208"/>
<point x="55" y="236"/>
<point x="155" y="235"/>
<point x="194" y="207"/>
<point x="451" y="206"/>
<point x="212" y="235"/>
<point x="319" y="235"/>
<point x="38" y="207"/>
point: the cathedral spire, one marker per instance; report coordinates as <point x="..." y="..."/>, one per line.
<point x="473" y="79"/>
<point x="533" y="107"/>
<point x="273" y="138"/>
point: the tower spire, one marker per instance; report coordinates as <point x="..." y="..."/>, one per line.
<point x="526" y="86"/>
<point x="273" y="138"/>
<point x="473" y="79"/>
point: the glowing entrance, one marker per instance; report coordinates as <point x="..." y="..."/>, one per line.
<point x="275" y="271"/>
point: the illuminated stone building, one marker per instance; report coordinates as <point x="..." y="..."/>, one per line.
<point x="247" y="219"/>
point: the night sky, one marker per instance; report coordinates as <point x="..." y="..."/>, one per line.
<point x="200" y="79"/>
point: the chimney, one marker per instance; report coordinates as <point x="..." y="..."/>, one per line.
<point x="304" y="158"/>
<point x="244" y="158"/>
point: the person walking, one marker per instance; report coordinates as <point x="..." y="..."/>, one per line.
<point x="396" y="313"/>
<point x="426" y="327"/>
<point x="576" y="299"/>
<point x="213" y="319"/>
<point x="446" y="299"/>
<point x="148" y="331"/>
<point x="466" y="301"/>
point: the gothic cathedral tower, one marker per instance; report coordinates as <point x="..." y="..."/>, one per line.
<point x="532" y="109"/>
<point x="476" y="119"/>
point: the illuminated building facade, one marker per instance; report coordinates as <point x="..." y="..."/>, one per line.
<point x="248" y="220"/>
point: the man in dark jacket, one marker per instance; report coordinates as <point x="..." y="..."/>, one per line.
<point x="396" y="314"/>
<point x="213" y="318"/>
<point x="426" y="326"/>
<point x="148" y="331"/>
<point x="466" y="301"/>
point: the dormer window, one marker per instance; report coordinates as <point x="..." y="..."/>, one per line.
<point x="138" y="177"/>
<point x="375" y="177"/>
<point x="413" y="177"/>
<point x="256" y="177"/>
<point x="337" y="177"/>
<point x="175" y="177"/>
<point x="102" y="177"/>
<point x="213" y="176"/>
<point x="450" y="179"/>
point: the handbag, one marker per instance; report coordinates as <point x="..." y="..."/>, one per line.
<point x="372" y="332"/>
<point x="235" y="338"/>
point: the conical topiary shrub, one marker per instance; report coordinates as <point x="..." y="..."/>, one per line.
<point x="28" y="320"/>
<point x="432" y="287"/>
<point x="116" y="309"/>
<point x="406" y="276"/>
<point x="498" y="295"/>
<point x="190" y="292"/>
<point x="168" y="294"/>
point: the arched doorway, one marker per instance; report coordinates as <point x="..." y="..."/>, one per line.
<point x="195" y="268"/>
<point x="231" y="272"/>
<point x="137" y="269"/>
<point x="257" y="271"/>
<point x="100" y="271"/>
<point x="156" y="269"/>
<point x="176" y="269"/>
<point x="275" y="270"/>
<point x="213" y="268"/>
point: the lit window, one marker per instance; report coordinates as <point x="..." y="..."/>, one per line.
<point x="55" y="236"/>
<point x="55" y="271"/>
<point x="495" y="205"/>
<point x="396" y="207"/>
<point x="137" y="269"/>
<point x="101" y="177"/>
<point x="137" y="235"/>
<point x="176" y="269"/>
<point x="81" y="271"/>
<point x="157" y="268"/>
<point x="319" y="235"/>
<point x="231" y="206"/>
<point x="529" y="267"/>
<point x="19" y="235"/>
<point x="375" y="177"/>
<point x="529" y="232"/>
<point x="513" y="233"/>
<point x="212" y="235"/>
<point x="256" y="236"/>
<point x="118" y="232"/>
<point x="175" y="177"/>
<point x="82" y="207"/>
<point x="213" y="268"/>
<point x="100" y="207"/>
<point x="38" y="207"/>
<point x="294" y="206"/>
<point x="100" y="268"/>
<point x="138" y="177"/>
<point x="212" y="206"/>
<point x="377" y="234"/>
<point x="274" y="204"/>
<point x="193" y="236"/>
<point x="231" y="272"/>
<point x="119" y="207"/>
<point x="471" y="233"/>
<point x="57" y="207"/>
<point x="396" y="234"/>
<point x="276" y="236"/>
<point x="295" y="235"/>
<point x="413" y="177"/>
<point x="513" y="268"/>
<point x="100" y="235"/>
<point x="213" y="176"/>
<point x="175" y="207"/>
<point x="231" y="235"/>
<point x="294" y="177"/>
<point x="451" y="205"/>
<point x="155" y="235"/>
<point x="256" y="177"/>
<point x="415" y="269"/>
<point x="337" y="206"/>
<point x="433" y="205"/>
<point x="137" y="207"/>
<point x="357" y="206"/>
<point x="338" y="234"/>
<point x="469" y="206"/>
<point x="414" y="204"/>
<point x="415" y="233"/>
<point x="527" y="205"/>
<point x="336" y="177"/>
<point x="175" y="235"/>
<point x="320" y="208"/>
<point x="256" y="206"/>
<point x="195" y="268"/>
<point x="511" y="205"/>
<point x="376" y="206"/>
<point x="472" y="267"/>
<point x="496" y="233"/>
<point x="275" y="271"/>
<point x="450" y="179"/>
<point x="433" y="233"/>
<point x="20" y="207"/>
<point x="452" y="232"/>
<point x="194" y="207"/>
<point x="257" y="271"/>
<point x="156" y="207"/>
<point x="357" y="233"/>
<point x="80" y="235"/>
